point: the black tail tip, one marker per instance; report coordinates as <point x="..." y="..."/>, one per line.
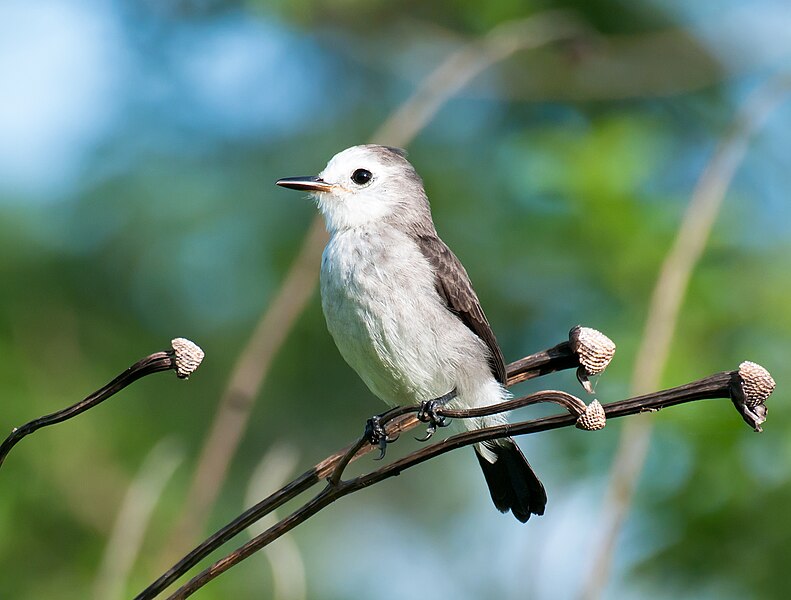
<point x="512" y="483"/>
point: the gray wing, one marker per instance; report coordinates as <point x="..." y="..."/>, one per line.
<point x="453" y="285"/>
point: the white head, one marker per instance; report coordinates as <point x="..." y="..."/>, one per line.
<point x="367" y="185"/>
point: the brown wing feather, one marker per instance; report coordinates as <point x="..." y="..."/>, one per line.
<point x="453" y="284"/>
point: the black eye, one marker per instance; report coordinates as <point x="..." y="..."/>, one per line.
<point x="361" y="176"/>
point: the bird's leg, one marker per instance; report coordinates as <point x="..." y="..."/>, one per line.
<point x="377" y="434"/>
<point x="428" y="414"/>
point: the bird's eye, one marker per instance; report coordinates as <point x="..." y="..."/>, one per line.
<point x="361" y="176"/>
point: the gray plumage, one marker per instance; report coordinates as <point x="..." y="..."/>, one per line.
<point x="402" y="310"/>
<point x="454" y="287"/>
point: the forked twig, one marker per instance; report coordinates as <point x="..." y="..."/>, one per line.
<point x="587" y="350"/>
<point x="748" y="388"/>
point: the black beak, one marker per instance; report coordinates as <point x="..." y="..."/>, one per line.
<point x="305" y="184"/>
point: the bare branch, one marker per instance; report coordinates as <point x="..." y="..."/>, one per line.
<point x="559" y="357"/>
<point x="749" y="386"/>
<point x="587" y="350"/>
<point x="183" y="358"/>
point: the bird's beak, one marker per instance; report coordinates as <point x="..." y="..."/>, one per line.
<point x="306" y="184"/>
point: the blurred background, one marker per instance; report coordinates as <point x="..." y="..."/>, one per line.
<point x="139" y="144"/>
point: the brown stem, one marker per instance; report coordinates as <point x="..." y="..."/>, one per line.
<point x="572" y="404"/>
<point x="561" y="356"/>
<point x="720" y="385"/>
<point x="557" y="358"/>
<point x="748" y="389"/>
<point x="347" y="457"/>
<point x="184" y="357"/>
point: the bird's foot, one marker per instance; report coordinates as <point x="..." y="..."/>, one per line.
<point x="428" y="414"/>
<point x="377" y="435"/>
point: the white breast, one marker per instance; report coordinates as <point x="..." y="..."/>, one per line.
<point x="388" y="321"/>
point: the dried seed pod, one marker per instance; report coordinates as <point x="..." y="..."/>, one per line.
<point x="757" y="383"/>
<point x="593" y="418"/>
<point x="751" y="385"/>
<point x="187" y="356"/>
<point x="594" y="349"/>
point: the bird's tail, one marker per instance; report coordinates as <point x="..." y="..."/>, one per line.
<point x="511" y="480"/>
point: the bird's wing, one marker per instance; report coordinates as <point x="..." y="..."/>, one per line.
<point x="453" y="285"/>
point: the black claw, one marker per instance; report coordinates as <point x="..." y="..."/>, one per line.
<point x="374" y="431"/>
<point x="377" y="435"/>
<point x="430" y="431"/>
<point x="382" y="448"/>
<point x="428" y="414"/>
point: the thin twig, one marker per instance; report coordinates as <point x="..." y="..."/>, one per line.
<point x="183" y="358"/>
<point x="662" y="317"/>
<point x="252" y="365"/>
<point x="732" y="385"/>
<point x="583" y="343"/>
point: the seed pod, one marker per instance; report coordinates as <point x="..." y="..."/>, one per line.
<point x="187" y="356"/>
<point x="593" y="418"/>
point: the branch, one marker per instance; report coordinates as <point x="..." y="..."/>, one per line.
<point x="184" y="358"/>
<point x="748" y="388"/>
<point x="587" y="350"/>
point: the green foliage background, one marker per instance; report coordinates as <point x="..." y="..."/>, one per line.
<point x="558" y="177"/>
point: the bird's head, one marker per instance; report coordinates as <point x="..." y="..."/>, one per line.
<point x="366" y="185"/>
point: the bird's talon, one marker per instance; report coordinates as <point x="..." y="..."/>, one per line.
<point x="428" y="414"/>
<point x="377" y="435"/>
<point x="430" y="430"/>
<point x="374" y="431"/>
<point x="382" y="449"/>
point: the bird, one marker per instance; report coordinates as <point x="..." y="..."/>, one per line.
<point x="401" y="308"/>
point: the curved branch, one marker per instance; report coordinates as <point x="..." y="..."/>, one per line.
<point x="748" y="388"/>
<point x="583" y="344"/>
<point x="183" y="358"/>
